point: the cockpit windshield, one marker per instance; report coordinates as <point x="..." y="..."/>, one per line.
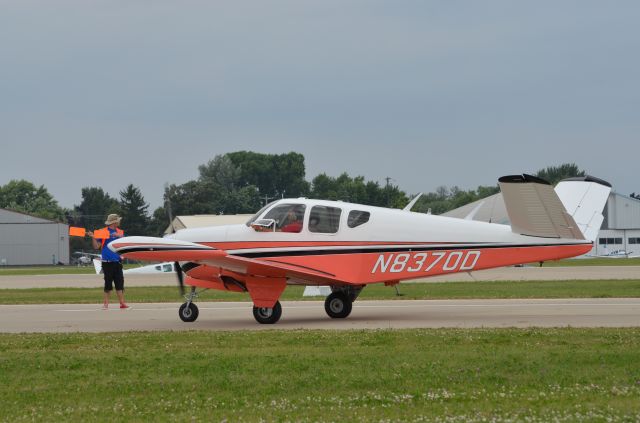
<point x="257" y="215"/>
<point x="287" y="217"/>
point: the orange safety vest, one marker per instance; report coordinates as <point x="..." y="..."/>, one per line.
<point x="104" y="234"/>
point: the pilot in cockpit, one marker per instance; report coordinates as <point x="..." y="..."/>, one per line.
<point x="293" y="220"/>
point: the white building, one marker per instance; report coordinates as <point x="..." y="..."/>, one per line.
<point x="621" y="227"/>
<point x="29" y="240"/>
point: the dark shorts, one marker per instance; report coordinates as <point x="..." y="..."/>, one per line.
<point x="113" y="274"/>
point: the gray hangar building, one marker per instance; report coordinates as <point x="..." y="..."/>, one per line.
<point x="29" y="240"/>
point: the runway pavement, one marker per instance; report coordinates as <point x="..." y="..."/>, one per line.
<point x="311" y="315"/>
<point x="501" y="274"/>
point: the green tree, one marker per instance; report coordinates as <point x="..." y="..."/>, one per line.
<point x="158" y="222"/>
<point x="274" y="175"/>
<point x="445" y="199"/>
<point x="134" y="211"/>
<point x="221" y="171"/>
<point x="91" y="214"/>
<point x="193" y="197"/>
<point x="356" y="190"/>
<point x="23" y="196"/>
<point x="94" y="208"/>
<point x="554" y="174"/>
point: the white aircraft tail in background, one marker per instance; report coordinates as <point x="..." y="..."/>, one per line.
<point x="584" y="198"/>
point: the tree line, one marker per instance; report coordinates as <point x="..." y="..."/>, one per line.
<point x="234" y="183"/>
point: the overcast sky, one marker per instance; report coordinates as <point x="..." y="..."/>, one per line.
<point x="107" y="93"/>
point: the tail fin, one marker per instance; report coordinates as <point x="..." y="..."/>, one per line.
<point x="535" y="209"/>
<point x="584" y="199"/>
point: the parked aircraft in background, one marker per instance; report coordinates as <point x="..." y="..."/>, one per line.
<point x="151" y="269"/>
<point x="615" y="254"/>
<point x="348" y="246"/>
<point x="83" y="258"/>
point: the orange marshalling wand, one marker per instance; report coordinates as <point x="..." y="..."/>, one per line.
<point x="81" y="232"/>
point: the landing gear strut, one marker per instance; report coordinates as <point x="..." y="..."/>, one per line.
<point x="268" y="315"/>
<point x="188" y="311"/>
<point x="339" y="303"/>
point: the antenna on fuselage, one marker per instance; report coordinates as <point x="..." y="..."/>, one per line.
<point x="412" y="203"/>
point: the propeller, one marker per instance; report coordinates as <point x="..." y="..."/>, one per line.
<point x="180" y="277"/>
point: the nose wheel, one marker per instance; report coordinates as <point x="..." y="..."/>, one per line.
<point x="188" y="311"/>
<point x="338" y="305"/>
<point x="268" y="315"/>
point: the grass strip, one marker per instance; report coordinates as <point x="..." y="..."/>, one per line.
<point x="52" y="270"/>
<point x="392" y="375"/>
<point x="408" y="291"/>
<point x="599" y="261"/>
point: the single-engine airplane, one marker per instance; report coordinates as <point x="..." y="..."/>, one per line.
<point x="348" y="246"/>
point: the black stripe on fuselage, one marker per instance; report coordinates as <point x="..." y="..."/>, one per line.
<point x="298" y="253"/>
<point x="127" y="250"/>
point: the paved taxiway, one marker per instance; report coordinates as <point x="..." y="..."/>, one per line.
<point x="310" y="315"/>
<point x="501" y="274"/>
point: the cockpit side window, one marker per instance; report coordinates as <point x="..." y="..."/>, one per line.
<point x="288" y="217"/>
<point x="357" y="218"/>
<point x="324" y="219"/>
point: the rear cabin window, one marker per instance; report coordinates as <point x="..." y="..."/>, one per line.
<point x="324" y="220"/>
<point x="357" y="218"/>
<point x="288" y="217"/>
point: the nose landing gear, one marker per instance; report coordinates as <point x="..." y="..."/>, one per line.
<point x="188" y="311"/>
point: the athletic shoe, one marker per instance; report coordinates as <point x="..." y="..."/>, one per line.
<point x="105" y="306"/>
<point x="123" y="306"/>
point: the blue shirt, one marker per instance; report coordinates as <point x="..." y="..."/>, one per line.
<point x="107" y="254"/>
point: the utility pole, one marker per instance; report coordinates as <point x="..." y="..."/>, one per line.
<point x="386" y="190"/>
<point x="267" y="198"/>
<point x="168" y="204"/>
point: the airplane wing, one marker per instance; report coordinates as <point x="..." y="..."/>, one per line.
<point x="162" y="249"/>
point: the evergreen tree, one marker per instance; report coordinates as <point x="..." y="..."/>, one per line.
<point x="133" y="209"/>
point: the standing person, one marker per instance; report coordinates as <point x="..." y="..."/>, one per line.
<point x="111" y="262"/>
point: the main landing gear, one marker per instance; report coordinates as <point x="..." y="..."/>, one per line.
<point x="339" y="303"/>
<point x="188" y="311"/>
<point x="268" y="315"/>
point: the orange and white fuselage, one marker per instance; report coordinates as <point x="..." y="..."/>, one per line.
<point x="394" y="245"/>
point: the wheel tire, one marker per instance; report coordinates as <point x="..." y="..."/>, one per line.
<point x="188" y="314"/>
<point x="267" y="316"/>
<point x="338" y="305"/>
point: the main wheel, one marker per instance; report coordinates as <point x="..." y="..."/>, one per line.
<point x="266" y="315"/>
<point x="338" y="305"/>
<point x="188" y="313"/>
